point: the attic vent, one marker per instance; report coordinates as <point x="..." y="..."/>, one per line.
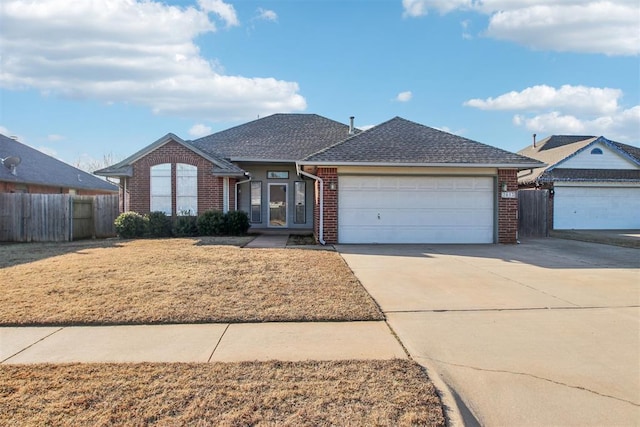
<point x="596" y="151"/>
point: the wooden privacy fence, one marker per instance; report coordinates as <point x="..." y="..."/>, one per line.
<point x="56" y="217"/>
<point x="533" y="213"/>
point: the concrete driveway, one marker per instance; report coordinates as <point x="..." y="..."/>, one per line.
<point x="542" y="333"/>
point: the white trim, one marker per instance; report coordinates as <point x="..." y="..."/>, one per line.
<point x="225" y="194"/>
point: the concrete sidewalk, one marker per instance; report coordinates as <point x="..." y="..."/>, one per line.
<point x="200" y="343"/>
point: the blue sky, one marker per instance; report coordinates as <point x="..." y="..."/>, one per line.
<point x="85" y="79"/>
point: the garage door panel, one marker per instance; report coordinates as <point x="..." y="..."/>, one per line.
<point x="414" y="234"/>
<point x="596" y="208"/>
<point x="416" y="209"/>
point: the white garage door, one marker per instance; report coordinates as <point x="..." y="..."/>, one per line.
<point x="407" y="209"/>
<point x="596" y="208"/>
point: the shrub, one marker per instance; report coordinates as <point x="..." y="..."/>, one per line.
<point x="186" y="226"/>
<point x="212" y="223"/>
<point x="238" y="223"/>
<point x="158" y="224"/>
<point x="130" y="225"/>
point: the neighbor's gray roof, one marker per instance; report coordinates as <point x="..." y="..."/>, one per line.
<point x="222" y="167"/>
<point x="608" y="175"/>
<point x="38" y="168"/>
<point x="403" y="142"/>
<point x="279" y="137"/>
<point x="557" y="148"/>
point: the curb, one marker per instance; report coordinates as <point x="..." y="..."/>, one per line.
<point x="451" y="402"/>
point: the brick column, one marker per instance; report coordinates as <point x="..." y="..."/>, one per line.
<point x="507" y="208"/>
<point x="329" y="176"/>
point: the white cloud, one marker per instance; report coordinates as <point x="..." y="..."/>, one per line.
<point x="449" y="130"/>
<point x="623" y="126"/>
<point x="590" y="26"/>
<point x="404" y="96"/>
<point x="415" y="8"/>
<point x="590" y="100"/>
<point x="568" y="110"/>
<point x="465" y="29"/>
<point x="130" y="51"/>
<point x="267" y="15"/>
<point x="224" y="10"/>
<point x="199" y="130"/>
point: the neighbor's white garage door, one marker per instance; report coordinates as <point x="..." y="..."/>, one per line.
<point x="420" y="209"/>
<point x="596" y="208"/>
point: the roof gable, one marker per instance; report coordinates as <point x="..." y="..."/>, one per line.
<point x="38" y="168"/>
<point x="124" y="168"/>
<point x="598" y="154"/>
<point x="279" y="137"/>
<point x="574" y="152"/>
<point x="402" y="142"/>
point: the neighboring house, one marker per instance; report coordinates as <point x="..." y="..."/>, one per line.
<point x="398" y="182"/>
<point x="594" y="182"/>
<point x="26" y="170"/>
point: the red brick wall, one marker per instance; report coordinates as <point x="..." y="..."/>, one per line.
<point x="329" y="176"/>
<point x="209" y="186"/>
<point x="507" y="208"/>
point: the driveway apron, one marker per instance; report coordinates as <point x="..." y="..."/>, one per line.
<point x="542" y="333"/>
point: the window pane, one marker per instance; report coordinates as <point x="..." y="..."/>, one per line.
<point x="186" y="189"/>
<point x="256" y="201"/>
<point x="278" y="174"/>
<point x="160" y="183"/>
<point x="300" y="205"/>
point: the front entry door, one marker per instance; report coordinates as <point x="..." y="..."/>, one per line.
<point x="277" y="205"/>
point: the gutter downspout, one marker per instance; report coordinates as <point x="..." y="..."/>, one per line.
<point x="319" y="180"/>
<point x="238" y="183"/>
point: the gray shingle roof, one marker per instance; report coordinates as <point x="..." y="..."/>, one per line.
<point x="38" y="168"/>
<point x="286" y="137"/>
<point x="629" y="149"/>
<point x="400" y="141"/>
<point x="610" y="175"/>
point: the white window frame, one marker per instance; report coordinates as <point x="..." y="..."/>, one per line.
<point x="160" y="195"/>
<point x="186" y="189"/>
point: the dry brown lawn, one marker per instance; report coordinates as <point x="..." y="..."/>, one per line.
<point x="356" y="393"/>
<point x="175" y="281"/>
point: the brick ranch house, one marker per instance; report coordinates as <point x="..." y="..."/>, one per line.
<point x="398" y="182"/>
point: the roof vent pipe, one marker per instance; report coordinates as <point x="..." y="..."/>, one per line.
<point x="351" y="128"/>
<point x="534" y="140"/>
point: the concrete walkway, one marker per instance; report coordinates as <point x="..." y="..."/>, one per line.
<point x="269" y="241"/>
<point x="200" y="343"/>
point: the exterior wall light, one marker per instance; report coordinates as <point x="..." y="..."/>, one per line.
<point x="332" y="186"/>
<point x="504" y="186"/>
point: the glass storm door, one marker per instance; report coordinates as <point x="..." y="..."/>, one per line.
<point x="277" y="205"/>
